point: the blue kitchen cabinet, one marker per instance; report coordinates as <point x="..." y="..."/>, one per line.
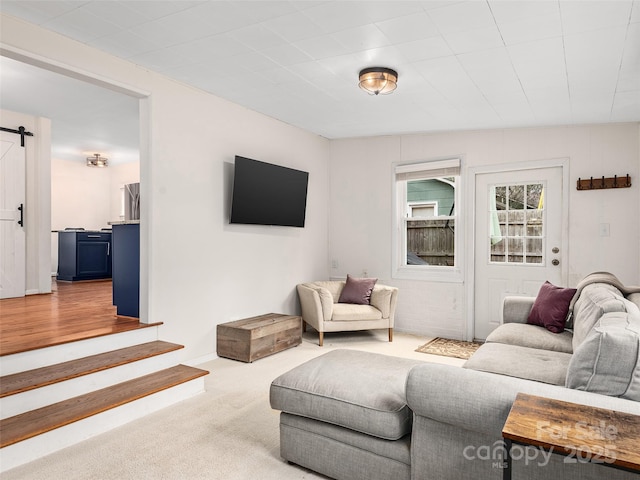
<point x="126" y="269"/>
<point x="84" y="255"/>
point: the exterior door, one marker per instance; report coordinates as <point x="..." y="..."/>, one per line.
<point x="12" y="232"/>
<point x="518" y="239"/>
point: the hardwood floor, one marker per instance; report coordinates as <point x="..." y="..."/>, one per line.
<point x="73" y="311"/>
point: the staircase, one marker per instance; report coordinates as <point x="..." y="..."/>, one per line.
<point x="57" y="396"/>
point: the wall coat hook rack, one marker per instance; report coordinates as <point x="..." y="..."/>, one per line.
<point x="602" y="182"/>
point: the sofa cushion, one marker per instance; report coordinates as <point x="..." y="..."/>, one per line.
<point x="531" y="336"/>
<point x="347" y="312"/>
<point x="551" y="307"/>
<point x="521" y="362"/>
<point x="594" y="301"/>
<point x="357" y="290"/>
<point x="608" y="360"/>
<point x="358" y="390"/>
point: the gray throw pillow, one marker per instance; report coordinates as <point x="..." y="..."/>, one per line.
<point x="608" y="360"/>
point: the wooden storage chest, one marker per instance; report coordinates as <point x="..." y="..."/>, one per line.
<point x="252" y="338"/>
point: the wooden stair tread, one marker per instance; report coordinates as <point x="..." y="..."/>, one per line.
<point x="35" y="422"/>
<point x="39" y="377"/>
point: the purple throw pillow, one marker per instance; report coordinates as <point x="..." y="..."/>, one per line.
<point x="357" y="290"/>
<point x="551" y="307"/>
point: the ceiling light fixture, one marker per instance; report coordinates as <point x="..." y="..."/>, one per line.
<point x="378" y="80"/>
<point x="97" y="161"/>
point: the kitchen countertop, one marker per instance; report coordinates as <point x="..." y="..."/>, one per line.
<point x="81" y="231"/>
<point x="124" y="222"/>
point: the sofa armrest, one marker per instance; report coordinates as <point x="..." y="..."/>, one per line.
<point x="516" y="309"/>
<point x="316" y="303"/>
<point x="481" y="401"/>
<point x="384" y="298"/>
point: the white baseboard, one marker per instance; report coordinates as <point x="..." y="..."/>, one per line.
<point x="200" y="360"/>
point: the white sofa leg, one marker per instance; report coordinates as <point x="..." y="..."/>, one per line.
<point x="320" y="338"/>
<point x="391" y="334"/>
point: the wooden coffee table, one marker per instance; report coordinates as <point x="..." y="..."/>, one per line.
<point x="579" y="432"/>
<point x="252" y="338"/>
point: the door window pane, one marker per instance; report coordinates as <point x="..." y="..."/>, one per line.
<point x="516" y="223"/>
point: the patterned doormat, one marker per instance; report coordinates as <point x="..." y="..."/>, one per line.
<point x="449" y="348"/>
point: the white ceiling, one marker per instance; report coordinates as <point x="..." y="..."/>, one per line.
<point x="86" y="119"/>
<point x="461" y="65"/>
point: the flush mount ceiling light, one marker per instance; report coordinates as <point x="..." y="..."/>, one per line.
<point x="378" y="80"/>
<point x="97" y="161"/>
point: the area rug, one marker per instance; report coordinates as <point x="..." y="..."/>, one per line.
<point x="449" y="348"/>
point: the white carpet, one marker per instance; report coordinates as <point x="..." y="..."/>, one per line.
<point x="229" y="432"/>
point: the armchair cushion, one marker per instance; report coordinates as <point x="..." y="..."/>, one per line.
<point x="357" y="290"/>
<point x="347" y="312"/>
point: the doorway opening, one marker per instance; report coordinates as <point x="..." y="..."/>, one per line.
<point x="117" y="128"/>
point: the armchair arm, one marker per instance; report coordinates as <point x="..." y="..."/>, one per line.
<point x="516" y="309"/>
<point x="384" y="298"/>
<point x="316" y="303"/>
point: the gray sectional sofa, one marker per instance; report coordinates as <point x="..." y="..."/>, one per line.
<point x="356" y="415"/>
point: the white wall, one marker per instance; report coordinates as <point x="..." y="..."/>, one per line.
<point x="360" y="206"/>
<point x="37" y="213"/>
<point x="121" y="175"/>
<point x="80" y="196"/>
<point x="86" y="197"/>
<point x="201" y="270"/>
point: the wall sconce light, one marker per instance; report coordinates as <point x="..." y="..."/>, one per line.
<point x="97" y="161"/>
<point x="378" y="80"/>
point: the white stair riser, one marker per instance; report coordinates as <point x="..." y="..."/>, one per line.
<point x="47" y="395"/>
<point x="31" y="449"/>
<point x="20" y="362"/>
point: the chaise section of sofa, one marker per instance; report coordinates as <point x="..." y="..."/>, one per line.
<point x="458" y="418"/>
<point x="345" y="415"/>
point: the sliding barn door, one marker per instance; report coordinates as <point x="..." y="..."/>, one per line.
<point x="12" y="211"/>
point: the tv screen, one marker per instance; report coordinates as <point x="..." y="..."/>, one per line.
<point x="267" y="194"/>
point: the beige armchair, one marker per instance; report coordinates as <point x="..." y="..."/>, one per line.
<point x="321" y="310"/>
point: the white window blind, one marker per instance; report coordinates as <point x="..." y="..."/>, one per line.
<point x="424" y="170"/>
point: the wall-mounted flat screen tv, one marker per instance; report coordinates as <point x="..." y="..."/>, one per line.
<point x="268" y="194"/>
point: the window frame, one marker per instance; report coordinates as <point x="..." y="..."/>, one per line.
<point x="400" y="269"/>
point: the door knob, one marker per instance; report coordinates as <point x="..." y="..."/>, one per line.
<point x="555" y="249"/>
<point x="555" y="262"/>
